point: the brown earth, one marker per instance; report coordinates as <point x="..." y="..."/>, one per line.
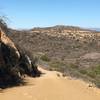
<point x="52" y="86"/>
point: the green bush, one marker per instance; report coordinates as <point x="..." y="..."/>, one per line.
<point x="91" y="74"/>
<point x="45" y="58"/>
<point x="74" y="66"/>
<point x="83" y="71"/>
<point x="94" y="71"/>
<point x="58" y="66"/>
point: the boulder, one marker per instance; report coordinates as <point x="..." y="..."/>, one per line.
<point x="14" y="63"/>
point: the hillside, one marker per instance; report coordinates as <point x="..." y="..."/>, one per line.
<point x="72" y="50"/>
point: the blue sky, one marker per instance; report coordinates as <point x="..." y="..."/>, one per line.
<point x="41" y="13"/>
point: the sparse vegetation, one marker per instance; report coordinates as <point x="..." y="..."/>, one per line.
<point x="87" y="74"/>
<point x="45" y="58"/>
<point x="63" y="46"/>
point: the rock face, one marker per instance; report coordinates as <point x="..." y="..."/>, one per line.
<point x="14" y="63"/>
<point x="8" y="48"/>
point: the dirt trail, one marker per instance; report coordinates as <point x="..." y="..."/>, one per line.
<point x="52" y="87"/>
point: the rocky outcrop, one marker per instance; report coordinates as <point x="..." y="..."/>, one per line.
<point x="14" y="63"/>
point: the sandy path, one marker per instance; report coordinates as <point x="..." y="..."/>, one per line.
<point x="52" y="87"/>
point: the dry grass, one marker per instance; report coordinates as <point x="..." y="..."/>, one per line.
<point x="64" y="49"/>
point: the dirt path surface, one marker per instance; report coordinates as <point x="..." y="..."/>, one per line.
<point x="52" y="86"/>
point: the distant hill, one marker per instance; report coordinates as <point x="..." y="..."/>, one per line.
<point x="62" y="27"/>
<point x="96" y="29"/>
<point x="58" y="41"/>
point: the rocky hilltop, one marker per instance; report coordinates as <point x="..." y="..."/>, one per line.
<point x="66" y="31"/>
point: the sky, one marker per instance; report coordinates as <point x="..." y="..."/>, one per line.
<point x="23" y="14"/>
